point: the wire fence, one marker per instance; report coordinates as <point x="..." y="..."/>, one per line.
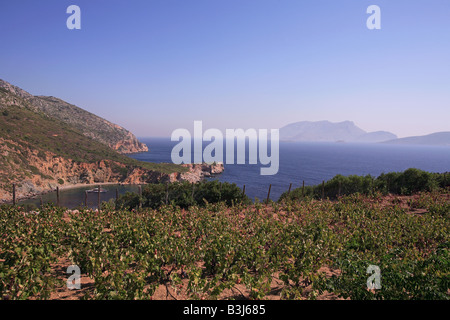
<point x="405" y="183"/>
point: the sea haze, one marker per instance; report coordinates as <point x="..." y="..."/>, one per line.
<point x="315" y="162"/>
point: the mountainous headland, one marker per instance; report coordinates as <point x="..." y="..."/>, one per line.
<point x="47" y="143"/>
<point x="88" y="124"/>
<point x="326" y="131"/>
<point x="347" y="131"/>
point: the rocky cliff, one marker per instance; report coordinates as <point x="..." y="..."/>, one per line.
<point x="51" y="171"/>
<point x="197" y="172"/>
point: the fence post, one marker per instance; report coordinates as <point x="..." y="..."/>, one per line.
<point x="14" y="194"/>
<point x="57" y="196"/>
<point x="339" y="191"/>
<point x="373" y="182"/>
<point x="387" y="183"/>
<point x="243" y="191"/>
<point x="268" y="194"/>
<point x="167" y="193"/>
<point x="303" y="189"/>
<point x="289" y="191"/>
<point x="323" y="189"/>
<point x="98" y="199"/>
<point x="140" y="197"/>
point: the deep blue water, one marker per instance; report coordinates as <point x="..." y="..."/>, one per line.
<point x="315" y="162"/>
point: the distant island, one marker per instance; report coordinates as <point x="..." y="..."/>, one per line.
<point x="326" y="131"/>
<point x="347" y="131"/>
<point x="435" y="139"/>
<point x="46" y="143"/>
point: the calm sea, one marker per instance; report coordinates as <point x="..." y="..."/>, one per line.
<point x="309" y="162"/>
<point x="315" y="162"/>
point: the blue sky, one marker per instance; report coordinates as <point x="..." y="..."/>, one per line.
<point x="157" y="65"/>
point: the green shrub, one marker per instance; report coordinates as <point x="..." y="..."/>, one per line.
<point x="184" y="195"/>
<point x="34" y="170"/>
<point x="401" y="183"/>
<point x="128" y="201"/>
<point x="408" y="182"/>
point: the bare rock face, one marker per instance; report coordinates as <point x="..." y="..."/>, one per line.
<point x="217" y="168"/>
<point x="129" y="144"/>
<point x="198" y="172"/>
<point x="15" y="90"/>
<point x="53" y="171"/>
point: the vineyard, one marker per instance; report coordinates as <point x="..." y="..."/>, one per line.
<point x="292" y="249"/>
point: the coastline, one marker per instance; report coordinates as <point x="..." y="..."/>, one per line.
<point x="62" y="188"/>
<point x="197" y="172"/>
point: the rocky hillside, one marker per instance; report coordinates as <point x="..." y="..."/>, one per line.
<point x="39" y="153"/>
<point x="83" y="121"/>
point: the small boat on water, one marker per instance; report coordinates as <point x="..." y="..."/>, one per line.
<point x="95" y="190"/>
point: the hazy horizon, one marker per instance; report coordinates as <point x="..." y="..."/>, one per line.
<point x="155" y="66"/>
